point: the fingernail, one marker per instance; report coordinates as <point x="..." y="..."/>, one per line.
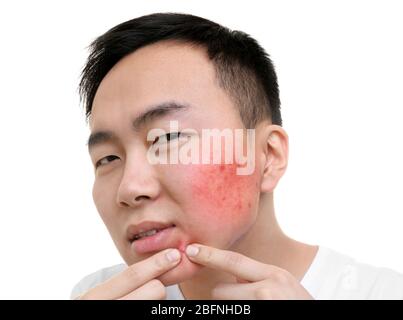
<point x="192" y="251"/>
<point x="173" y="255"/>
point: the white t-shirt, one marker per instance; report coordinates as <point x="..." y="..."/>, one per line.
<point x="331" y="276"/>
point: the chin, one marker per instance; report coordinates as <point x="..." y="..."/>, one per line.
<point x="185" y="270"/>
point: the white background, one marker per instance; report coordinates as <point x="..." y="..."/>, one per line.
<point x="340" y="72"/>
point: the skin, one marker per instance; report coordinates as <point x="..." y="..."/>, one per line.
<point x="209" y="204"/>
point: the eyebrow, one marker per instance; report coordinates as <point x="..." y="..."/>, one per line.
<point x="153" y="113"/>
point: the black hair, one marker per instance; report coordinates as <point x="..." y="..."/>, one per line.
<point x="242" y="66"/>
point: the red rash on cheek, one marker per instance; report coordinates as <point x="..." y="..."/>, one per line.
<point x="219" y="190"/>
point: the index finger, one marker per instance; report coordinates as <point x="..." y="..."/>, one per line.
<point x="230" y="262"/>
<point x="136" y="275"/>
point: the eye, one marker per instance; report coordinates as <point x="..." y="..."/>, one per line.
<point x="167" y="137"/>
<point x="99" y="162"/>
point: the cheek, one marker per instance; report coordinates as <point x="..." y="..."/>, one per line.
<point x="100" y="201"/>
<point x="103" y="201"/>
<point x="221" y="196"/>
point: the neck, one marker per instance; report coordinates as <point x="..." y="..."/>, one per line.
<point x="264" y="242"/>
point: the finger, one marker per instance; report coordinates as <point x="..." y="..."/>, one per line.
<point x="232" y="262"/>
<point x="152" y="290"/>
<point x="135" y="276"/>
<point x="240" y="280"/>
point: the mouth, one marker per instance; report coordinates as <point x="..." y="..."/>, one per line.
<point x="146" y="230"/>
<point x="151" y="237"/>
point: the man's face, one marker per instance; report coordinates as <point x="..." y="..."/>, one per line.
<point x="206" y="203"/>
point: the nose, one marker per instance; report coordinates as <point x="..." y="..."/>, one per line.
<point x="139" y="183"/>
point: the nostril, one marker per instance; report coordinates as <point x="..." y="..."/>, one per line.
<point x="139" y="198"/>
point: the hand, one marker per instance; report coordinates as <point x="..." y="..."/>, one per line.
<point x="138" y="280"/>
<point x="256" y="280"/>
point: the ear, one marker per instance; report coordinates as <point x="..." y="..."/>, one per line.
<point x="274" y="156"/>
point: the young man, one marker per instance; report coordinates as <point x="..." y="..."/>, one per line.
<point x="200" y="229"/>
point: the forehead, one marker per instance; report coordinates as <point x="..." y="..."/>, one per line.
<point x="160" y="72"/>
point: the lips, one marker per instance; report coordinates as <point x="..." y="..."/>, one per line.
<point x="146" y="229"/>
